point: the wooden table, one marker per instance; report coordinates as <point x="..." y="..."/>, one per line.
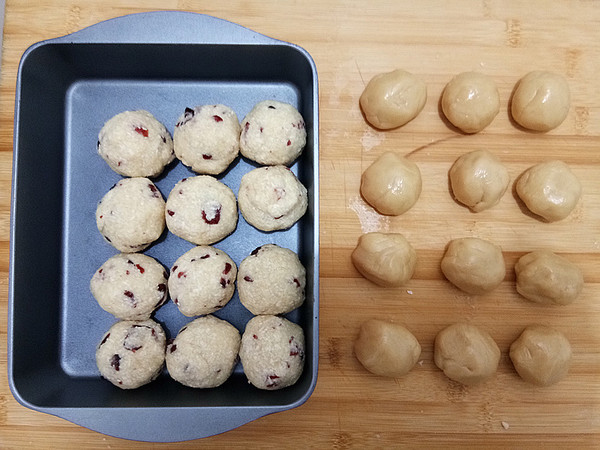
<point x="351" y="41"/>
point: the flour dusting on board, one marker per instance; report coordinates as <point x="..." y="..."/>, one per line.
<point x="370" y="220"/>
<point x="371" y="138"/>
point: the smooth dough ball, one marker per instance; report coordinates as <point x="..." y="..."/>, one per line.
<point x="135" y="144"/>
<point x="131" y="353"/>
<point x="273" y="133"/>
<point x="541" y="355"/>
<point x="202" y="280"/>
<point x="271" y="280"/>
<point x="386" y="348"/>
<point x="392" y="184"/>
<point x="130" y="286"/>
<point x="131" y="215"/>
<point x="547" y="278"/>
<point x="479" y="180"/>
<point x="541" y="101"/>
<point x="386" y="259"/>
<point x="272" y="352"/>
<point x="207" y="138"/>
<point x="393" y="99"/>
<point x="550" y="190"/>
<point x="204" y="353"/>
<point x="466" y="354"/>
<point x="470" y="101"/>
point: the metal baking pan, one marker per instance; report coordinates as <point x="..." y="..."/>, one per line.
<point x="66" y="89"/>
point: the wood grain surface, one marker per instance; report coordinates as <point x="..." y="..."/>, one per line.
<point x="351" y="41"/>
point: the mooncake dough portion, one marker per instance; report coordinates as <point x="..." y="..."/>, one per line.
<point x="549" y="189"/>
<point x="204" y="353"/>
<point x="130" y="286"/>
<point x="201" y="210"/>
<point x="393" y="99"/>
<point x="466" y="354"/>
<point x="272" y="198"/>
<point x="207" y="138"/>
<point x="541" y="355"/>
<point x="273" y="133"/>
<point x="541" y="100"/>
<point x="135" y="144"/>
<point x="131" y="215"/>
<point x="202" y="280"/>
<point x="547" y="278"/>
<point x="131" y="353"/>
<point x="271" y="280"/>
<point x="272" y="352"/>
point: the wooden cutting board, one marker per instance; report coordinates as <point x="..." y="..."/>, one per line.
<point x="351" y="41"/>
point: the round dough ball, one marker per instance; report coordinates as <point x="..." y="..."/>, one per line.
<point x="135" y="144"/>
<point x="271" y="280"/>
<point x="386" y="259"/>
<point x="131" y="215"/>
<point x="272" y="198"/>
<point x="541" y="355"/>
<point x="201" y="210"/>
<point x="470" y="101"/>
<point x="272" y="352"/>
<point x="541" y="101"/>
<point x="204" y="353"/>
<point x="386" y="349"/>
<point x="466" y="354"/>
<point x="130" y="286"/>
<point x="474" y="265"/>
<point x="479" y="180"/>
<point x="273" y="133"/>
<point x="202" y="281"/>
<point x="207" y="138"/>
<point x="550" y="190"/>
<point x="547" y="278"/>
<point x="392" y="184"/>
<point x="393" y="99"/>
<point x="131" y="353"/>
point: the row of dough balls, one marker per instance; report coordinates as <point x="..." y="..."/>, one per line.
<point x="470" y="101"/>
<point x="465" y="353"/>
<point x="204" y="352"/>
<point x="207" y="139"/>
<point x="392" y="184"/>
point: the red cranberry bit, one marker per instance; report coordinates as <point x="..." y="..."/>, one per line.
<point x="205" y="256"/>
<point x="155" y="192"/>
<point x="142" y="130"/>
<point x="180" y="192"/>
<point x="184" y="179"/>
<point x="164" y="139"/>
<point x="140" y="268"/>
<point x="101" y="217"/>
<point x="127" y="272"/>
<point x="261" y="129"/>
<point x="114" y="361"/>
<point x="174" y="268"/>
<point x="162" y="287"/>
<point x="248" y="279"/>
<point x="255" y="251"/>
<point x="272" y="381"/>
<point x="289" y="142"/>
<point x="294" y="351"/>
<point x="291" y="339"/>
<point x="297" y="282"/>
<point x="205" y="156"/>
<point x="223" y="282"/>
<point x="187" y="116"/>
<point x="153" y="333"/>
<point x="255" y="336"/>
<point x="215" y="219"/>
<point x="227" y="268"/>
<point x="176" y="301"/>
<point x="128" y="294"/>
<point x="104" y="340"/>
<point x="119" y="163"/>
<point x="278" y="217"/>
<point x="246" y="126"/>
<point x="100" y="270"/>
<point x="181" y="274"/>
<point x="217" y="118"/>
<point x="169" y="212"/>
<point x="173" y="348"/>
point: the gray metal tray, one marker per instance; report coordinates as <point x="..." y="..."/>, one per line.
<point x="66" y="89"/>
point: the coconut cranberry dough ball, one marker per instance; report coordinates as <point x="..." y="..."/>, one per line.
<point x="272" y="198"/>
<point x="204" y="353"/>
<point x="549" y="189"/>
<point x="201" y="210"/>
<point x="273" y="133"/>
<point x="541" y="101"/>
<point x="272" y="352"/>
<point x="130" y="286"/>
<point x="271" y="280"/>
<point x="207" y="138"/>
<point x="131" y="215"/>
<point x="202" y="281"/>
<point x="393" y="99"/>
<point x="135" y="144"/>
<point x="131" y="353"/>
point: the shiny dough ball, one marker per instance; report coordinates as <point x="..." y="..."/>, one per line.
<point x="541" y="355"/>
<point x="386" y="348"/>
<point x="470" y="101"/>
<point x="479" y="180"/>
<point x="550" y="190"/>
<point x="541" y="101"/>
<point x="466" y="354"/>
<point x="547" y="278"/>
<point x="386" y="259"/>
<point x="392" y="184"/>
<point x="393" y="99"/>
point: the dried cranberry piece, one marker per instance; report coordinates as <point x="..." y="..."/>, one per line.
<point x="142" y="130"/>
<point x="215" y="220"/>
<point x="261" y="129"/>
<point x="246" y="126"/>
<point x="181" y="274"/>
<point x="297" y="282"/>
<point x="227" y="268"/>
<point x="169" y="212"/>
<point x="162" y="287"/>
<point x="294" y="352"/>
<point x="278" y="217"/>
<point x="187" y="116"/>
<point x="174" y="268"/>
<point x="205" y="156"/>
<point x="223" y="282"/>
<point x="248" y="279"/>
<point x="104" y="340"/>
<point x="205" y="256"/>
<point x="154" y="190"/>
<point x="115" y="361"/>
<point x="140" y="268"/>
<point x="128" y="294"/>
<point x="289" y="142"/>
<point x="255" y="251"/>
<point x="272" y="381"/>
<point x="255" y="336"/>
<point x="173" y="348"/>
<point x="100" y="270"/>
<point x="176" y="301"/>
<point x="164" y="139"/>
<point x="218" y="118"/>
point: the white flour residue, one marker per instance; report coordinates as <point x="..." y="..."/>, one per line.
<point x="370" y="220"/>
<point x="371" y="138"/>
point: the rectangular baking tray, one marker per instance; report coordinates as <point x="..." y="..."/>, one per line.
<point x="66" y="89"/>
